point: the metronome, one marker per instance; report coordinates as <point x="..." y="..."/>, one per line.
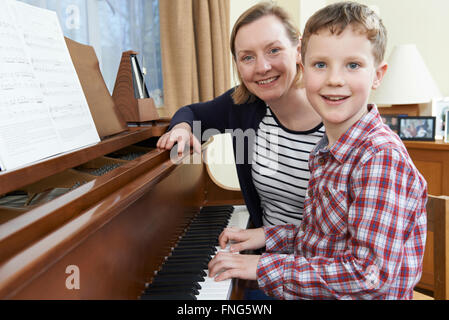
<point x="130" y="92"/>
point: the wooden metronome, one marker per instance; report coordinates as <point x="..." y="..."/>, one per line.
<point x="130" y="92"/>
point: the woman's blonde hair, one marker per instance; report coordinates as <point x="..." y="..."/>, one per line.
<point x="241" y="94"/>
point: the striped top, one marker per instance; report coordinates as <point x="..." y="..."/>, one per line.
<point x="280" y="169"/>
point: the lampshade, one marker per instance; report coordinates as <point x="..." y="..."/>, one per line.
<point x="407" y="80"/>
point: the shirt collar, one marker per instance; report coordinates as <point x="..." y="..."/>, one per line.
<point x="353" y="137"/>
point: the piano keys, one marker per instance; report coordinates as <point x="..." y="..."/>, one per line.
<point x="184" y="274"/>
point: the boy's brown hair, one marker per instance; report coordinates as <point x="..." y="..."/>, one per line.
<point x="336" y="17"/>
<point x="241" y="94"/>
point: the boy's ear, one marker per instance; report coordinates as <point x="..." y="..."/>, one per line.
<point x="380" y="72"/>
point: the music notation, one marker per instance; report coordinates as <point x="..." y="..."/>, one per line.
<point x="42" y="104"/>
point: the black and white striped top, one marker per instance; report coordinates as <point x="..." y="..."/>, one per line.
<point x="280" y="169"/>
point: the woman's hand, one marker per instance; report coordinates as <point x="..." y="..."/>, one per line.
<point x="242" y="239"/>
<point x="182" y="134"/>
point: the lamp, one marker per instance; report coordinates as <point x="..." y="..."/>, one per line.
<point x="407" y="82"/>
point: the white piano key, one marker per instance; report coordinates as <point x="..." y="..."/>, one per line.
<point x="215" y="290"/>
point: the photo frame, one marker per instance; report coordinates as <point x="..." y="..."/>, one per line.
<point x="439" y="109"/>
<point x="417" y="128"/>
<point x="391" y="120"/>
<point x="446" y="129"/>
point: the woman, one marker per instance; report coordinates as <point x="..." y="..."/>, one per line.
<point x="274" y="126"/>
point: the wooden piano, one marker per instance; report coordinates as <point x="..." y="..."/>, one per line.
<point x="113" y="228"/>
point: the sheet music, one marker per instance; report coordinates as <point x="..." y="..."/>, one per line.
<point x="27" y="132"/>
<point x="54" y="68"/>
<point x="43" y="110"/>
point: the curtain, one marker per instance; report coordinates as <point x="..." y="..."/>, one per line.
<point x="195" y="51"/>
<point x="112" y="27"/>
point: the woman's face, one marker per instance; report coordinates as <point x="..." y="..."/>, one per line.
<point x="266" y="59"/>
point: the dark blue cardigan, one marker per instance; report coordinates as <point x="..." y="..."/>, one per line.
<point x="221" y="114"/>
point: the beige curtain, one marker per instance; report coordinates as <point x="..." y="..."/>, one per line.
<point x="195" y="51"/>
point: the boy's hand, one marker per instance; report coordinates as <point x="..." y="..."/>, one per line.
<point x="249" y="239"/>
<point x="182" y="134"/>
<point x="233" y="265"/>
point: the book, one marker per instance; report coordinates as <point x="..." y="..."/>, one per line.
<point x="43" y="110"/>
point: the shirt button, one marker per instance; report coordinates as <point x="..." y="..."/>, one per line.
<point x="310" y="193"/>
<point x="321" y="161"/>
<point x="327" y="194"/>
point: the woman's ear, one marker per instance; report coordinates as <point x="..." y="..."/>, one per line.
<point x="298" y="51"/>
<point x="380" y="72"/>
<point x="300" y="82"/>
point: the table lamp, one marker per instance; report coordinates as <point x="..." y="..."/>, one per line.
<point x="406" y="83"/>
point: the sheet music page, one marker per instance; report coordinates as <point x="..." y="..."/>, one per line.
<point x="58" y="79"/>
<point x="27" y="131"/>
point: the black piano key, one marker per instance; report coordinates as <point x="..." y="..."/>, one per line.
<point x="213" y="215"/>
<point x="217" y="208"/>
<point x="194" y="245"/>
<point x="183" y="289"/>
<point x="209" y="222"/>
<point x="175" y="278"/>
<point x="198" y="226"/>
<point x="186" y="266"/>
<point x="185" y="259"/>
<point x="196" y="242"/>
<point x="211" y="219"/>
<point x="203" y="231"/>
<point x="221" y="223"/>
<point x="205" y="235"/>
<point x="193" y="248"/>
<point x="190" y="251"/>
<point x="170" y="296"/>
<point x="192" y="284"/>
<point x="174" y="264"/>
<point x="195" y="254"/>
<point x="181" y="271"/>
<point x="213" y="240"/>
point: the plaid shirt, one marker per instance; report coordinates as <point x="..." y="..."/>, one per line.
<point x="364" y="226"/>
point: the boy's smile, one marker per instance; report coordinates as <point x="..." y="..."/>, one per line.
<point x="339" y="73"/>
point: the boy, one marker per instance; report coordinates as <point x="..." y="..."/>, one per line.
<point x="364" y="226"/>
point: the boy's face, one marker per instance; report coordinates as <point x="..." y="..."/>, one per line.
<point x="339" y="73"/>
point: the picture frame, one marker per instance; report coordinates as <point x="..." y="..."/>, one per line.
<point x="439" y="108"/>
<point x="446" y="129"/>
<point x="391" y="120"/>
<point x="417" y="128"/>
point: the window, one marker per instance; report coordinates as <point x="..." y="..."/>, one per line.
<point x="112" y="27"/>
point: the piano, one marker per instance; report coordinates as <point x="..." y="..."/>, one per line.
<point x="104" y="220"/>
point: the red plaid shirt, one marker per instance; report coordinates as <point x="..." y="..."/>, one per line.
<point x="364" y="226"/>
